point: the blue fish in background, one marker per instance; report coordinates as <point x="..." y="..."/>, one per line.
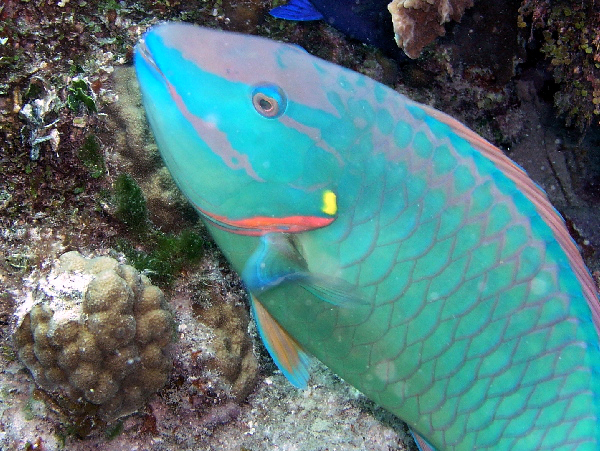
<point x="368" y="21"/>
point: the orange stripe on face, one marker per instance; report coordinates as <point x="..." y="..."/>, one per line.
<point x="261" y="225"/>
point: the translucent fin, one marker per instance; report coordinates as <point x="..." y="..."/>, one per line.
<point x="536" y="195"/>
<point x="287" y="354"/>
<point x="277" y="261"/>
<point x="333" y="291"/>
<point x="296" y="10"/>
<point x="422" y="444"/>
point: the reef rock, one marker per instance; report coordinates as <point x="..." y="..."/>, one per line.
<point x="419" y="22"/>
<point x="96" y="336"/>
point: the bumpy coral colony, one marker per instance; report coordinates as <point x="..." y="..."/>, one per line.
<point x="105" y="344"/>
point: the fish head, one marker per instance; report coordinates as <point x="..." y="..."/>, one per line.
<point x="232" y="115"/>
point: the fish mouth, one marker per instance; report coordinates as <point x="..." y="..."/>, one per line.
<point x="144" y="53"/>
<point x="250" y="226"/>
<point x="262" y="225"/>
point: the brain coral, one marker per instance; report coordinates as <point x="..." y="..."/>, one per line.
<point x="97" y="335"/>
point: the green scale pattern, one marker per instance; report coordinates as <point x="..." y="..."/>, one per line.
<point x="477" y="333"/>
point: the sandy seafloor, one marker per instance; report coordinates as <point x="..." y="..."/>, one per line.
<point x="52" y="205"/>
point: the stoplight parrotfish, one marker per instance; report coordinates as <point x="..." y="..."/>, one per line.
<point x="383" y="237"/>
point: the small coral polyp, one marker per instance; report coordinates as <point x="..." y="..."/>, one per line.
<point x="98" y="333"/>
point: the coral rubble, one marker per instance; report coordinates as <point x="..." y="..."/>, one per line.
<point x="419" y="22"/>
<point x="97" y="334"/>
<point x="231" y="350"/>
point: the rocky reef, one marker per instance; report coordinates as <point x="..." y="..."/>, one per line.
<point x="97" y="334"/>
<point x="570" y="36"/>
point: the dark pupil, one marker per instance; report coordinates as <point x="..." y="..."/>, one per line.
<point x="265" y="104"/>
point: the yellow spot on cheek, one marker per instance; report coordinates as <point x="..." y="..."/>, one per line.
<point x="329" y="203"/>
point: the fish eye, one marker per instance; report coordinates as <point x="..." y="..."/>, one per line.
<point x="269" y="100"/>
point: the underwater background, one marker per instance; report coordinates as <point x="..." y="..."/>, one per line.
<point x="79" y="171"/>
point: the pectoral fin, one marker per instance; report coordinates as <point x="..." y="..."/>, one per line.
<point x="287" y="354"/>
<point x="277" y="261"/>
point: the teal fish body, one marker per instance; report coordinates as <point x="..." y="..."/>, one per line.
<point x="383" y="237"/>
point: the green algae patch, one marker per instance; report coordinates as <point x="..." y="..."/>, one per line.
<point x="158" y="255"/>
<point x="92" y="158"/>
<point x="80" y="95"/>
<point x="167" y="254"/>
<point x="130" y="203"/>
<point x="113" y="431"/>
